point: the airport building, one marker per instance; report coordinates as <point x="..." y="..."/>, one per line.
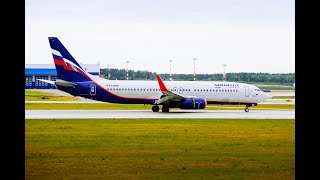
<point x="48" y="72"/>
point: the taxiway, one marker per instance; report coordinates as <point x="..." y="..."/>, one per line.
<point x="118" y="114"/>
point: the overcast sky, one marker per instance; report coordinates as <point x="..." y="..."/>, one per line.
<point x="246" y="35"/>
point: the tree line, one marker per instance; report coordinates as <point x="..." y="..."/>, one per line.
<point x="248" y="77"/>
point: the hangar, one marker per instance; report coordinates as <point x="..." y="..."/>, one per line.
<point x="48" y="71"/>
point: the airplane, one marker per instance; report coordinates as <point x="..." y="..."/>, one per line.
<point x="73" y="79"/>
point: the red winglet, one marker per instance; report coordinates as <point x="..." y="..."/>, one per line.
<point x="162" y="86"/>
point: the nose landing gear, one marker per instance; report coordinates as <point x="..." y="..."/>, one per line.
<point x="246" y="109"/>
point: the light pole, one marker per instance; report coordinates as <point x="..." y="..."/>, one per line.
<point x="170" y="70"/>
<point x="224" y="72"/>
<point x="194" y="68"/>
<point x="109" y="75"/>
<point x="127" y="69"/>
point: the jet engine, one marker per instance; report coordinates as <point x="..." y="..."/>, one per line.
<point x="193" y="103"/>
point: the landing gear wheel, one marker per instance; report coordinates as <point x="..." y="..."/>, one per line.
<point x="165" y="109"/>
<point x="155" y="108"/>
<point x="246" y="109"/>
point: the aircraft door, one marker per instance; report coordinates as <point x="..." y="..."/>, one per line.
<point x="246" y="89"/>
<point x="180" y="90"/>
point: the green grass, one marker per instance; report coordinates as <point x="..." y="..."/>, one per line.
<point x="111" y="106"/>
<point x="292" y="90"/>
<point x="160" y="149"/>
<point x="35" y="92"/>
<point x="275" y="87"/>
<point x="33" y="95"/>
<point x="283" y="97"/>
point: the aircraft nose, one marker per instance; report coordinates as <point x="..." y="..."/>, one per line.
<point x="265" y="96"/>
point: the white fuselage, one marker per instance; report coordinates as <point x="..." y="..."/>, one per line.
<point x="213" y="92"/>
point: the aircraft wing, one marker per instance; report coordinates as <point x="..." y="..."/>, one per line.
<point x="167" y="95"/>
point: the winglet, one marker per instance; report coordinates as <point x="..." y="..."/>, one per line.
<point x="162" y="86"/>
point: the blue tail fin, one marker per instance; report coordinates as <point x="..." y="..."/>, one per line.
<point x="67" y="67"/>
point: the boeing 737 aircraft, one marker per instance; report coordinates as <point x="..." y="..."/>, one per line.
<point x="73" y="79"/>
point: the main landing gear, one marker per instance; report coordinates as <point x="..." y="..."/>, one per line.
<point x="246" y="109"/>
<point x="165" y="108"/>
<point x="156" y="108"/>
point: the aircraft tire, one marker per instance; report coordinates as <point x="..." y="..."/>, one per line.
<point x="165" y="109"/>
<point x="155" y="108"/>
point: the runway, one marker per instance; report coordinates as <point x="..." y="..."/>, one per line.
<point x="117" y="114"/>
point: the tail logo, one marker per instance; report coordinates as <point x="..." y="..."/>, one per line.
<point x="65" y="63"/>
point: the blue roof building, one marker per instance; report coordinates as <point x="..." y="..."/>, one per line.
<point x="48" y="72"/>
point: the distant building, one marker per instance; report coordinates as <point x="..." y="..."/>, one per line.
<point x="48" y="71"/>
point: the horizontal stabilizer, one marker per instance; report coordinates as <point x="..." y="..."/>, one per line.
<point x="59" y="82"/>
<point x="46" y="81"/>
<point x="64" y="83"/>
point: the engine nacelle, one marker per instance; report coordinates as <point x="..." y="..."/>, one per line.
<point x="194" y="103"/>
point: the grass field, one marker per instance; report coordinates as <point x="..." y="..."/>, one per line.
<point x="33" y="95"/>
<point x="111" y="106"/>
<point x="283" y="97"/>
<point x="275" y="87"/>
<point x="160" y="149"/>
